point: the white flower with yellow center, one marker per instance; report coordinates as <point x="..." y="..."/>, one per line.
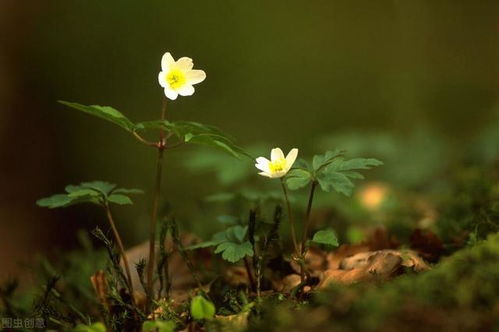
<point x="278" y="165"/>
<point x="177" y="77"/>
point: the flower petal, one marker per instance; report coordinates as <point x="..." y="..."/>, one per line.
<point x="162" y="79"/>
<point x="186" y="90"/>
<point x="276" y="154"/>
<point x="262" y="164"/>
<point x="265" y="174"/>
<point x="166" y="61"/>
<point x="171" y="94"/>
<point x="184" y="63"/>
<point x="195" y="76"/>
<point x="262" y="160"/>
<point x="291" y="157"/>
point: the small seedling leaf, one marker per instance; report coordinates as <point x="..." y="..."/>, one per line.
<point x="326" y="238"/>
<point x="202" y="308"/>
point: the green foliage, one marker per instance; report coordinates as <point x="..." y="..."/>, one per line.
<point x="196" y="133"/>
<point x="332" y="171"/>
<point x="95" y="327"/>
<point x="95" y="192"/>
<point x="202" y="308"/>
<point x="104" y="112"/>
<point x="298" y="178"/>
<point x="185" y="131"/>
<point x="326" y="238"/>
<point x="231" y="243"/>
<point x="158" y="325"/>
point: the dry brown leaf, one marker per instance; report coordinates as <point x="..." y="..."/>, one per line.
<point x="287" y="283"/>
<point x="373" y="265"/>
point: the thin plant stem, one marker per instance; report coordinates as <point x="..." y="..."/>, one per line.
<point x="290" y="216"/>
<point x="121" y="248"/>
<point x="154" y="219"/>
<point x="307" y="217"/>
<point x="306" y="225"/>
<point x="143" y="140"/>
<point x="250" y="273"/>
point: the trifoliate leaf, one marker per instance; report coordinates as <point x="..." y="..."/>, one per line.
<point x="298" y="178"/>
<point x="120" y="199"/>
<point x="202" y="308"/>
<point x="104" y="112"/>
<point x="326" y="238"/>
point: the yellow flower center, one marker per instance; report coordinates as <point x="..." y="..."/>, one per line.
<point x="176" y="78"/>
<point x="278" y="165"/>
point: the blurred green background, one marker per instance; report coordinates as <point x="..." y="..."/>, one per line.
<point x="279" y="73"/>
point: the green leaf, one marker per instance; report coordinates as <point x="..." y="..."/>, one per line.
<point x="298" y="178"/>
<point x="104" y="112"/>
<point x="339" y="173"/>
<point x="95" y="327"/>
<point x="336" y="181"/>
<point x="158" y="325"/>
<point x="236" y="233"/>
<point x="197" y="133"/>
<point x="326" y="238"/>
<point x="230" y="243"/>
<point x="101" y="186"/>
<point x="120" y="199"/>
<point x="356" y="163"/>
<point x="81" y="193"/>
<point x="202" y="308"/>
<point x="216" y="239"/>
<point x="127" y="191"/>
<point x="320" y="161"/>
<point x="55" y="201"/>
<point x="96" y="192"/>
<point x="234" y="252"/>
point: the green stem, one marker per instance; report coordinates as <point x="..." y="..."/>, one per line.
<point x="307" y="217"/>
<point x="290" y="216"/>
<point x="121" y="248"/>
<point x="154" y="219"/>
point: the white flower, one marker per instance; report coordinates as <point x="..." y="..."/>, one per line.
<point x="278" y="165"/>
<point x="177" y="77"/>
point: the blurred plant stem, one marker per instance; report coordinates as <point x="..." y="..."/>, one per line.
<point x="290" y="217"/>
<point x="121" y="249"/>
<point x="161" y="145"/>
<point x="306" y="226"/>
<point x="297" y="256"/>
